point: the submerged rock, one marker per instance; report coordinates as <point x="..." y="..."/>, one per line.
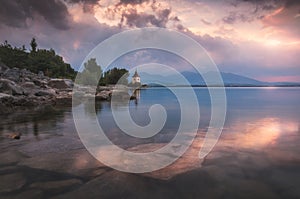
<point x="15" y="136"/>
<point x="11" y="182"/>
<point x="60" y="185"/>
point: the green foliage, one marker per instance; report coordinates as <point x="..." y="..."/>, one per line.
<point x="37" y="60"/>
<point x="90" y="74"/>
<point x="33" y="45"/>
<point x="115" y="76"/>
<point x="93" y="72"/>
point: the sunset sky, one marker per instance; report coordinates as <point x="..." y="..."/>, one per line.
<point x="254" y="38"/>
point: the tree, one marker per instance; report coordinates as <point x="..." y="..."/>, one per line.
<point x="116" y="75"/>
<point x="91" y="73"/>
<point x="33" y="45"/>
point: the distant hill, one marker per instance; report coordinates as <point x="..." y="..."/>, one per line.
<point x="195" y="79"/>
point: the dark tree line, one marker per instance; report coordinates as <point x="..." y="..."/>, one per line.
<point x="36" y="60"/>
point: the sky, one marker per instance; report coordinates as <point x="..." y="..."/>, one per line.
<point x="255" y="38"/>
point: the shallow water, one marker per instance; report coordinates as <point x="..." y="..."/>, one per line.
<point x="257" y="154"/>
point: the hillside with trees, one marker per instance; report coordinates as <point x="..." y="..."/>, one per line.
<point x="53" y="65"/>
<point x="36" y="60"/>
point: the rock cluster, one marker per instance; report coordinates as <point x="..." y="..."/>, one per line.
<point x="22" y="88"/>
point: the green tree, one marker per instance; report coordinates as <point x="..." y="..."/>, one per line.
<point x="116" y="75"/>
<point x="91" y="73"/>
<point x="33" y="45"/>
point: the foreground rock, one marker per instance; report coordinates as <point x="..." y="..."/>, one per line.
<point x="11" y="182"/>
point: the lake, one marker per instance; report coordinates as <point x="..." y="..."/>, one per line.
<point x="257" y="155"/>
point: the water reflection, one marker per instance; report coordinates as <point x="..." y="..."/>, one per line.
<point x="34" y="122"/>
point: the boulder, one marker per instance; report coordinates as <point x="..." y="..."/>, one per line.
<point x="60" y="83"/>
<point x="103" y="95"/>
<point x="45" y="92"/>
<point x="29" y="85"/>
<point x="4" y="95"/>
<point x="10" y="87"/>
<point x="12" y="74"/>
<point x="40" y="82"/>
<point x="41" y="74"/>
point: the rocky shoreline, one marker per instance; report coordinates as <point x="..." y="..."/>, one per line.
<point x="20" y="88"/>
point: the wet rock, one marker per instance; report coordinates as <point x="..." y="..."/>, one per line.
<point x="5" y="103"/>
<point x="116" y="184"/>
<point x="11" y="157"/>
<point x="11" y="182"/>
<point x="15" y="136"/>
<point x="76" y="162"/>
<point x="64" y="98"/>
<point x="52" y="145"/>
<point x="103" y="95"/>
<point x="132" y="97"/>
<point x="62" y="184"/>
<point x="244" y="188"/>
<point x="31" y="193"/>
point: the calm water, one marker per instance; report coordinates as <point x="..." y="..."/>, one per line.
<point x="256" y="156"/>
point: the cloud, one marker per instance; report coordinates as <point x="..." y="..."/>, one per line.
<point x="135" y="19"/>
<point x="88" y="5"/>
<point x="223" y="28"/>
<point x="137" y="13"/>
<point x="234" y="17"/>
<point x="74" y="43"/>
<point x="284" y="21"/>
<point x="17" y="13"/>
<point x="133" y="2"/>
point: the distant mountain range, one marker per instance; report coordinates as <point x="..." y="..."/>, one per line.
<point x="195" y="79"/>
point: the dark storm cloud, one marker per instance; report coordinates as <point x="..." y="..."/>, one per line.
<point x="134" y="19"/>
<point x="83" y="1"/>
<point x="234" y="17"/>
<point x="272" y="4"/>
<point x="88" y="5"/>
<point x="132" y="2"/>
<point x="16" y="12"/>
<point x="256" y="9"/>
